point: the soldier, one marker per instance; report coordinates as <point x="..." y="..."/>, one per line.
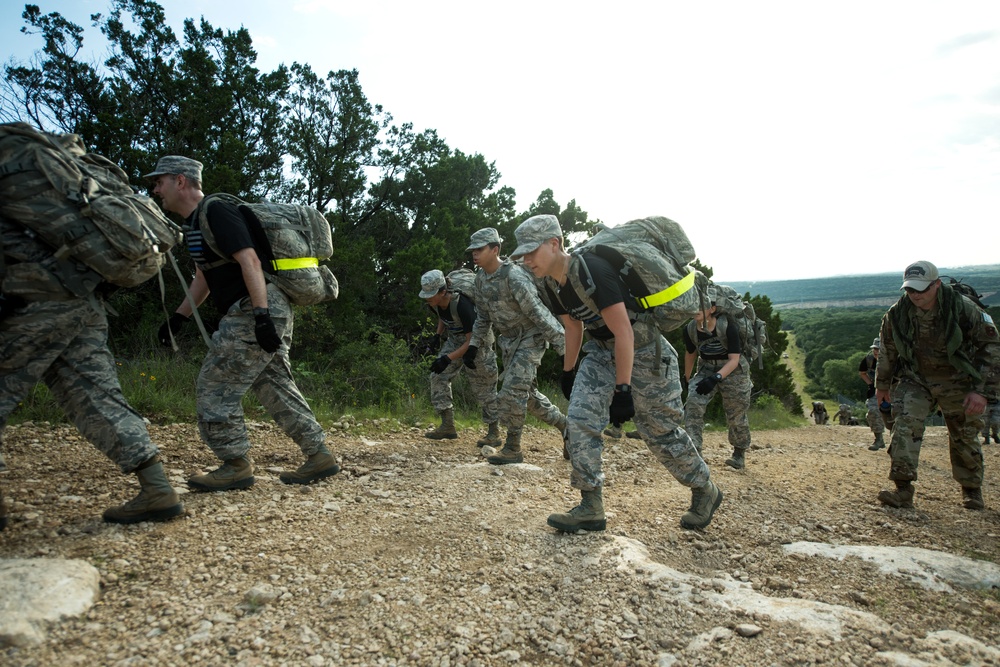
<point x="508" y="301"/>
<point x="843" y="415"/>
<point x="250" y="349"/>
<point x="629" y="371"/>
<point x="991" y="421"/>
<point x="819" y="413"/>
<point x="938" y="348"/>
<point x="714" y="341"/>
<point x="866" y="370"/>
<point x="456" y="316"/>
<point x="50" y="333"/>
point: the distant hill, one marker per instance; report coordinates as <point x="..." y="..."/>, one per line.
<point x="878" y="289"/>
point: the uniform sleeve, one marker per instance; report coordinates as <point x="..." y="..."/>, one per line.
<point x="986" y="343"/>
<point x="525" y="294"/>
<point x="481" y="327"/>
<point x="887" y="354"/>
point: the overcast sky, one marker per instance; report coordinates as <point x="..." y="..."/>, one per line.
<point x="790" y="139"/>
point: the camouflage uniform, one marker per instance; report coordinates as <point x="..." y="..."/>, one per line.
<point x="735" y="390"/>
<point x="236" y="364"/>
<point x="874" y="417"/>
<point x="507" y="300"/>
<point x="62" y="340"/>
<point x="932" y="378"/>
<point x="656" y="391"/>
<point x="482" y="379"/>
<point x="991" y="422"/>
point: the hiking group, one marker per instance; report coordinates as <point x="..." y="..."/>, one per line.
<point x="603" y="306"/>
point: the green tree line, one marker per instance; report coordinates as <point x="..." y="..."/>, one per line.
<point x="400" y="200"/>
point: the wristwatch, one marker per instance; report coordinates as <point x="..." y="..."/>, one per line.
<point x="623" y="389"/>
<point x="718" y="377"/>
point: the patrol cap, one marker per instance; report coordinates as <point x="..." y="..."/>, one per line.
<point x="919" y="275"/>
<point x="876" y="344"/>
<point x="177" y="164"/>
<point x="431" y="283"/>
<point x="535" y="231"/>
<point x="484" y="236"/>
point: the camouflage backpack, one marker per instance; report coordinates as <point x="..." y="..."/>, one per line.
<point x="730" y="308"/>
<point x="291" y="241"/>
<point x="462" y="284"/>
<point x="652" y="256"/>
<point x="81" y="204"/>
<point x="968" y="291"/>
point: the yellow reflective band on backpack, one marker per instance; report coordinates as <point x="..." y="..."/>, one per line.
<point x="296" y="263"/>
<point x="669" y="294"/>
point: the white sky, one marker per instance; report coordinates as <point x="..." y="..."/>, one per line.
<point x="791" y="139"/>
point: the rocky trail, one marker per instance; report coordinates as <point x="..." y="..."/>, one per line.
<point x="419" y="553"/>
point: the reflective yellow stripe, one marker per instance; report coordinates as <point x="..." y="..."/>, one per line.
<point x="297" y="263"/>
<point x="669" y="294"/>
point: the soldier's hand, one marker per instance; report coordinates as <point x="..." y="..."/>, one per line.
<point x="440" y="364"/>
<point x="267" y="336"/>
<point x="974" y="403"/>
<point x="469" y="358"/>
<point x="8" y="304"/>
<point x="708" y="384"/>
<point x="622" y="407"/>
<point x="172" y="326"/>
<point x="566" y="380"/>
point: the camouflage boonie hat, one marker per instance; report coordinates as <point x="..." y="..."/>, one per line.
<point x="876" y="344"/>
<point x="535" y="231"/>
<point x="431" y="283"/>
<point x="177" y="164"/>
<point x="484" y="236"/>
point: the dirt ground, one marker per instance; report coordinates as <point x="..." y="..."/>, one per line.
<point x="419" y="553"/>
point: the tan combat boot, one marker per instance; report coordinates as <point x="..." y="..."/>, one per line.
<point x="446" y="429"/>
<point x="511" y="452"/>
<point x="232" y="474"/>
<point x="318" y="466"/>
<point x="492" y="438"/>
<point x="704" y="501"/>
<point x="901" y="497"/>
<point x="972" y="498"/>
<point x="588" y="515"/>
<point x="157" y="500"/>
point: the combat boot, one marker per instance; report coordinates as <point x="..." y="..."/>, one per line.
<point x="986" y="439"/>
<point x="878" y="444"/>
<point x="996" y="438"/>
<point x="446" y="429"/>
<point x="511" y="452"/>
<point x="704" y="501"/>
<point x="318" y="466"/>
<point x="588" y="515"/>
<point x="232" y="474"/>
<point x="157" y="500"/>
<point x="634" y="435"/>
<point x="613" y="431"/>
<point x="972" y="498"/>
<point x="902" y="497"/>
<point x="737" y="461"/>
<point x="492" y="438"/>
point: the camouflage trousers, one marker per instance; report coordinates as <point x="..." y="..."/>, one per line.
<point x="991" y="420"/>
<point x="735" y="391"/>
<point x="875" y="416"/>
<point x="236" y="364"/>
<point x="656" y="391"/>
<point x="65" y="345"/>
<point x="482" y="380"/>
<point x="519" y="394"/>
<point x="912" y="402"/>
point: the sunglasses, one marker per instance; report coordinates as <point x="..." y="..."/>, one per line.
<point x="910" y="290"/>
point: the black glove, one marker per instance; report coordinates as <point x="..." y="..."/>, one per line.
<point x="267" y="336"/>
<point x="171" y="326"/>
<point x="708" y="384"/>
<point x="566" y="380"/>
<point x="435" y="343"/>
<point x="622" y="406"/>
<point x="469" y="358"/>
<point x="870" y="392"/>
<point x="440" y="364"/>
<point x="8" y="304"/>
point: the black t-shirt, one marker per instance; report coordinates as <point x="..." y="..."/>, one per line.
<point x="712" y="347"/>
<point x="225" y="281"/>
<point x="868" y="365"/>
<point x="608" y="290"/>
<point x="466" y="315"/>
